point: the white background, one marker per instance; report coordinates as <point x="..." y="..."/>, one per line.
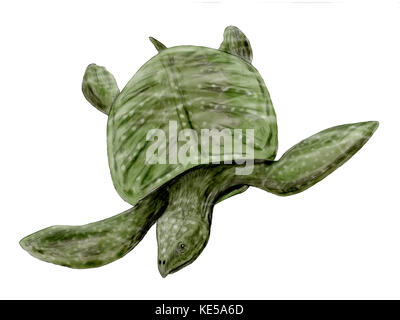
<point x="325" y="63"/>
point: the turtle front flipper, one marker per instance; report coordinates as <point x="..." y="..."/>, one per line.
<point x="98" y="243"/>
<point x="311" y="160"/>
<point x="236" y="43"/>
<point x="99" y="87"/>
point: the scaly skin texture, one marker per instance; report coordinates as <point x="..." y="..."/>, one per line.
<point x="184" y="228"/>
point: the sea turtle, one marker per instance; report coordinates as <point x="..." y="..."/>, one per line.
<point x="188" y="88"/>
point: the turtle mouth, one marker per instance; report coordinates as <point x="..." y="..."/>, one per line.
<point x="165" y="272"/>
<point x="163" y="265"/>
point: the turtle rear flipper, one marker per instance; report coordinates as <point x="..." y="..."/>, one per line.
<point x="98" y="243"/>
<point x="311" y="160"/>
<point x="236" y="43"/>
<point x="99" y="87"/>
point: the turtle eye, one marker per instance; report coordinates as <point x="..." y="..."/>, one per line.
<point x="181" y="247"/>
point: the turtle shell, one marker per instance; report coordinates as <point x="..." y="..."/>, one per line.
<point x="197" y="88"/>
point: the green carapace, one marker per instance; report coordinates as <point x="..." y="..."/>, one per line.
<point x="185" y="91"/>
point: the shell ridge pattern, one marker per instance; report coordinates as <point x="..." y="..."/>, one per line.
<point x="174" y="78"/>
<point x="198" y="88"/>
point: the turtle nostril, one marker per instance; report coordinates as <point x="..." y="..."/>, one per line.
<point x="159" y="261"/>
<point x="163" y="262"/>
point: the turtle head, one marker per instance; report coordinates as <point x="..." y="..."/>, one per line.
<point x="181" y="240"/>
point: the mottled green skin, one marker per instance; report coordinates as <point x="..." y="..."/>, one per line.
<point x="236" y="43"/>
<point x="200" y="88"/>
<point x="185" y="204"/>
<point x="98" y="243"/>
<point x="184" y="228"/>
<point x="187" y="222"/>
<point x="99" y="87"/>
